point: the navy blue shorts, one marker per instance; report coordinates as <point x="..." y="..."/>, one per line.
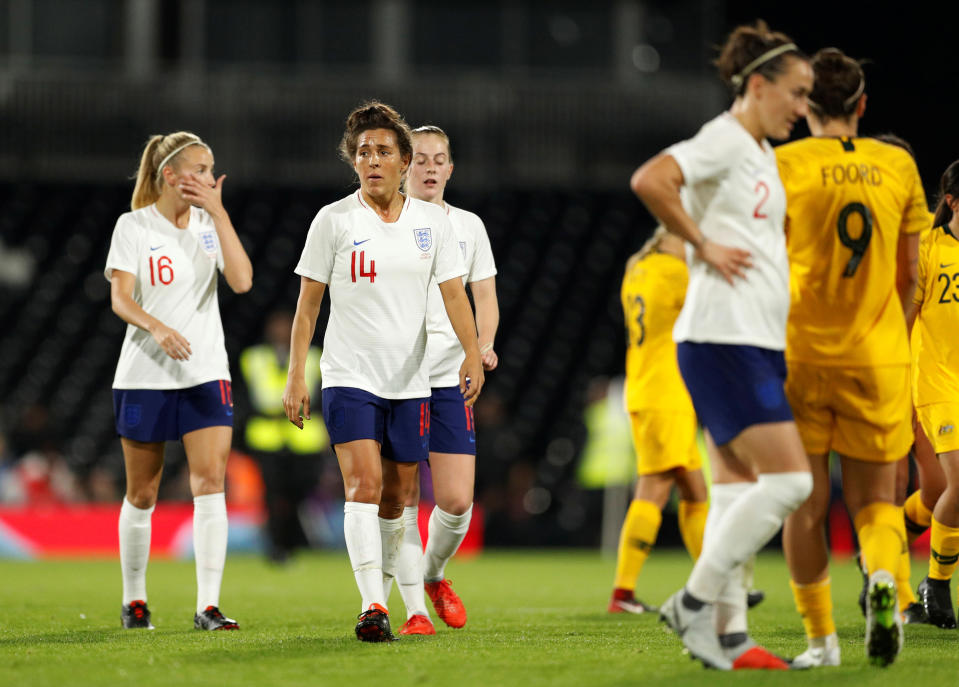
<point x="734" y="387"/>
<point x="168" y="414"/>
<point x="451" y="422"/>
<point x="401" y="426"/>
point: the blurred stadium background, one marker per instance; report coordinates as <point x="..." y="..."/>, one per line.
<point x="550" y="107"/>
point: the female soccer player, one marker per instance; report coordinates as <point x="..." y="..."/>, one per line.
<point x="173" y="381"/>
<point x="660" y="411"/>
<point x="377" y="250"/>
<point x="937" y="388"/>
<point x="452" y="455"/>
<point x="854" y="210"/>
<point x="731" y="330"/>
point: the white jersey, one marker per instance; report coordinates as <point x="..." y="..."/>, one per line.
<point x="443" y="349"/>
<point x="176" y="278"/>
<point x="378" y="275"/>
<point x="733" y="192"/>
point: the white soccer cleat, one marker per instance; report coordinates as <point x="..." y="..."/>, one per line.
<point x="696" y="631"/>
<point x="822" y="651"/>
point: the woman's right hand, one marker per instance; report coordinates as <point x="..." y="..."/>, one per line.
<point x="171" y="341"/>
<point x="294" y="396"/>
<point x="728" y="261"/>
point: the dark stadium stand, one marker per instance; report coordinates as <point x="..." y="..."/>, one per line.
<point x="559" y="254"/>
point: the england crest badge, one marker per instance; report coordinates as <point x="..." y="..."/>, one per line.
<point x="208" y="241"/>
<point x="424" y="238"/>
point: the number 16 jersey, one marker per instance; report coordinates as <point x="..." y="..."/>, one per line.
<point x="847" y="203"/>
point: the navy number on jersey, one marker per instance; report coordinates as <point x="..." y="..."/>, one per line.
<point x="856" y="245"/>
<point x="952" y="284"/>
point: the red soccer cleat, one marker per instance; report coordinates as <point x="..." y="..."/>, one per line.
<point x="758" y="658"/>
<point x="418" y="625"/>
<point x="448" y="605"/>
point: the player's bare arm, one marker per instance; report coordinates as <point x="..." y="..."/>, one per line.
<point x="128" y="310"/>
<point x="296" y="394"/>
<point x="461" y="317"/>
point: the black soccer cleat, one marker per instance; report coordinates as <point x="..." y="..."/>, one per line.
<point x="865" y="583"/>
<point x="374" y="625"/>
<point x="754" y="597"/>
<point x="937" y="601"/>
<point x="212" y="619"/>
<point x="136" y="615"/>
<point x="915" y="614"/>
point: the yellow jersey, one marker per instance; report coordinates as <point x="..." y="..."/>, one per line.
<point x="936" y="372"/>
<point x="652" y="295"/>
<point x="848" y="200"/>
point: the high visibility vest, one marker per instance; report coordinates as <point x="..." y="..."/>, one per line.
<point x="268" y="429"/>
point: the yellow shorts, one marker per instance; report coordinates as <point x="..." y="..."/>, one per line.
<point x="939" y="421"/>
<point x="860" y="412"/>
<point x="664" y="441"/>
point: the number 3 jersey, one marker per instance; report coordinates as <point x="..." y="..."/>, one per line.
<point x="848" y="202"/>
<point x="176" y="278"/>
<point x="379" y="275"/>
<point x="652" y="294"/>
<point x="936" y="372"/>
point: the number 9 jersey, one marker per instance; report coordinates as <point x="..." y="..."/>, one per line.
<point x="848" y="202"/>
<point x="176" y="278"/>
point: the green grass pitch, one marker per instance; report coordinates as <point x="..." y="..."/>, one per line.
<point x="535" y="618"/>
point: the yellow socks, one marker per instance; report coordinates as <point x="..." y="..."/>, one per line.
<point x="943" y="551"/>
<point x="918" y="517"/>
<point x="814" y="603"/>
<point x="636" y="541"/>
<point x="882" y="536"/>
<point x="692" y="522"/>
<point x="904" y="581"/>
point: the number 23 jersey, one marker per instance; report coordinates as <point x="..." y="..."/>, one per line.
<point x="378" y="275"/>
<point x="848" y="202"/>
<point x="176" y="279"/>
<point x="936" y="373"/>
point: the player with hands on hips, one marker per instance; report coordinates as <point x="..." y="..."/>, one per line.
<point x="173" y="381"/>
<point x="378" y="251"/>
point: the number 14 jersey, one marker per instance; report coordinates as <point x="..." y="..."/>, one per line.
<point x="847" y="203"/>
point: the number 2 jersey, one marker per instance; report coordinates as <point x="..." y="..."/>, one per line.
<point x="176" y="279"/>
<point x="936" y="372"/>
<point x="652" y="295"/>
<point x="848" y="202"/>
<point x="379" y="275"/>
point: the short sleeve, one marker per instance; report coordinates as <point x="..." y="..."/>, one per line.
<point x="316" y="261"/>
<point x="707" y="154"/>
<point x="925" y="248"/>
<point x="449" y="259"/>
<point x="124" y="248"/>
<point x="483" y="266"/>
<point x="916" y="216"/>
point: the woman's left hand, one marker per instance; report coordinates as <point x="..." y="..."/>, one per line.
<point x="210" y="198"/>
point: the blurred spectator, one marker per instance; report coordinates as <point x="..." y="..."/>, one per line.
<point x="289" y="457"/>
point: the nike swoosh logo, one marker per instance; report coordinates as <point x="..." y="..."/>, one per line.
<point x="472" y="440"/>
<point x="229" y="412"/>
<point x="944" y="266"/>
<point x="156" y="247"/>
<point x="356" y="243"/>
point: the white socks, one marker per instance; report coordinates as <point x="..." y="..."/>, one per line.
<point x="749" y="523"/>
<point x="730" y="611"/>
<point x="134" y="529"/>
<point x="409" y="569"/>
<point x="362" y="530"/>
<point x="446" y="533"/>
<point x="391" y="533"/>
<point x="210" y="529"/>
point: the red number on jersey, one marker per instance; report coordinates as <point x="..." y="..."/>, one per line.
<point x="761" y="188"/>
<point x="363" y="272"/>
<point x="164" y="270"/>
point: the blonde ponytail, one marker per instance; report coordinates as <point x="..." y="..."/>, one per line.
<point x="159" y="150"/>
